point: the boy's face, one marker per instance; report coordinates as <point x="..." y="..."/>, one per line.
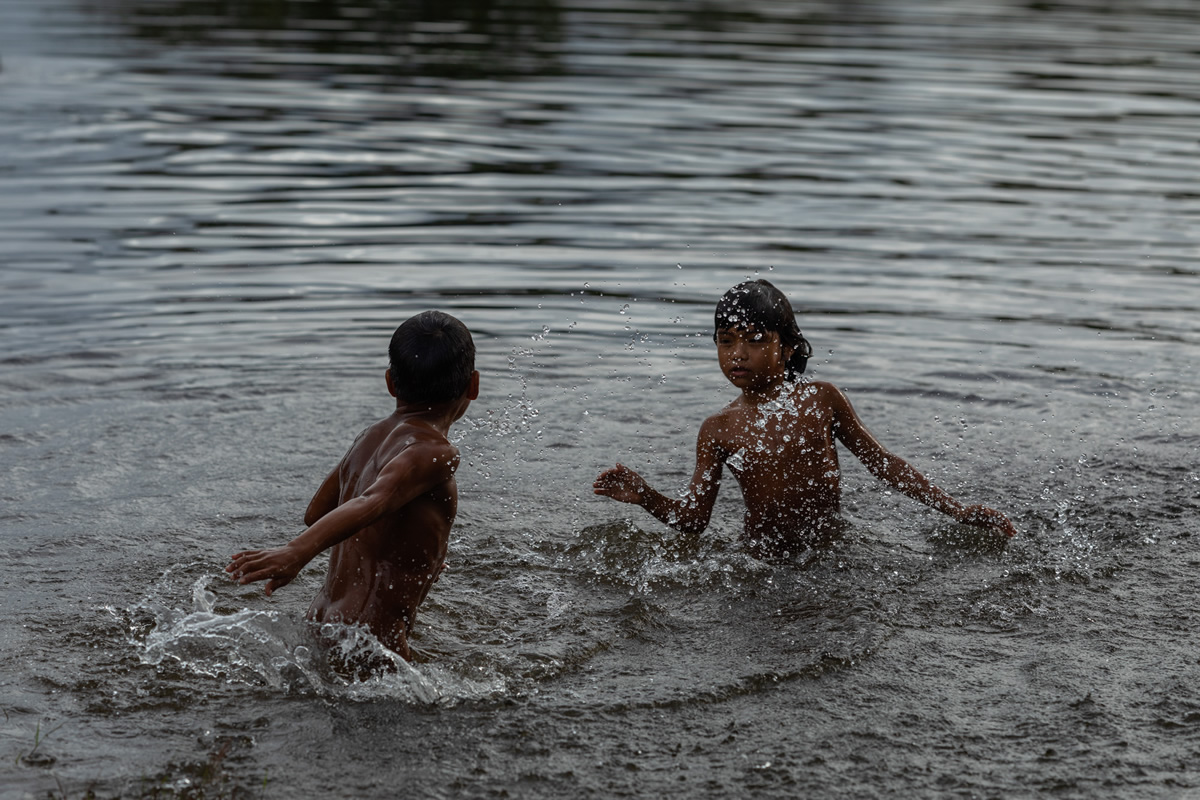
<point x="752" y="360"/>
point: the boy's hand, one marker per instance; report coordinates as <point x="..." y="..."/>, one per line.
<point x="984" y="517"/>
<point x="280" y="565"/>
<point x="620" y="483"/>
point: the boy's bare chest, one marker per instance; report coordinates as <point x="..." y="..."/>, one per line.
<point x="758" y="438"/>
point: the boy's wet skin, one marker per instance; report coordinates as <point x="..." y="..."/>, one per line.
<point x="385" y="511"/>
<point x="380" y="575"/>
<point x="778" y="439"/>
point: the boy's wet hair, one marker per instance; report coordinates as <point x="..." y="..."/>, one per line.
<point x="431" y="358"/>
<point x="758" y="304"/>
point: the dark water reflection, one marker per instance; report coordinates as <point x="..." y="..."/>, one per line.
<point x="458" y="39"/>
<point x="212" y="215"/>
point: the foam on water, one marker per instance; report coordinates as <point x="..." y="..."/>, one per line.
<point x="270" y="648"/>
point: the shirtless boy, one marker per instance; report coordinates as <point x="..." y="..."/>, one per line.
<point x="385" y="511"/>
<point x="778" y="439"/>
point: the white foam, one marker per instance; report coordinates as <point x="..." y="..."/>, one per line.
<point x="266" y="647"/>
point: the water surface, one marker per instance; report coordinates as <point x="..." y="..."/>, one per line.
<point x="212" y="216"/>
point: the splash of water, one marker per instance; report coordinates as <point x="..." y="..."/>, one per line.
<point x="259" y="647"/>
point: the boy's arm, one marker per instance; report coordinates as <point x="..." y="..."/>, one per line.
<point x="325" y="499"/>
<point x="689" y="515"/>
<point x="413" y="472"/>
<point x="898" y="473"/>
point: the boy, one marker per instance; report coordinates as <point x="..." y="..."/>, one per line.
<point x="386" y="509"/>
<point x="778" y="439"/>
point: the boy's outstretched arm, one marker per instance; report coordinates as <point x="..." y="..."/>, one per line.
<point x="689" y="515"/>
<point x="901" y="475"/>
<point x="415" y="471"/>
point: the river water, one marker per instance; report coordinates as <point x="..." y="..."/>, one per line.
<point x="213" y="214"/>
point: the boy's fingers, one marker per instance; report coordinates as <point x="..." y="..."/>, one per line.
<point x="256" y="574"/>
<point x="241" y="567"/>
<point x="982" y="515"/>
<point x="242" y="561"/>
<point x="999" y="520"/>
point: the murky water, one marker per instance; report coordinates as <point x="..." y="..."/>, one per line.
<point x="213" y="214"/>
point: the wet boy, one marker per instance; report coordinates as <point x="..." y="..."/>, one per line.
<point x="778" y="439"/>
<point x="385" y="511"/>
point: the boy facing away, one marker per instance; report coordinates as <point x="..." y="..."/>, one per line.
<point x="385" y="511"/>
<point x="778" y="439"/>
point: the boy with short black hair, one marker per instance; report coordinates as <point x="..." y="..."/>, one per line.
<point x="778" y="438"/>
<point x="385" y="511"/>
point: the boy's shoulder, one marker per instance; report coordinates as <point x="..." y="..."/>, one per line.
<point x="735" y="407"/>
<point x="406" y="439"/>
<point x="821" y="394"/>
<point x="410" y="435"/>
<point x="819" y="389"/>
<point x="716" y="426"/>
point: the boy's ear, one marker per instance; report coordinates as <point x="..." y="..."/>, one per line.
<point x="387" y="374"/>
<point x="473" y="386"/>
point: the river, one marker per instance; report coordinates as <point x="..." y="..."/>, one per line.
<point x="213" y="214"/>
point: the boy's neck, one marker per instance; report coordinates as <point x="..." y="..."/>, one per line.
<point x="439" y="417"/>
<point x="768" y="395"/>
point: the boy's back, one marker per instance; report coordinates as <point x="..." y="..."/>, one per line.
<point x="381" y="574"/>
<point x="385" y="512"/>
